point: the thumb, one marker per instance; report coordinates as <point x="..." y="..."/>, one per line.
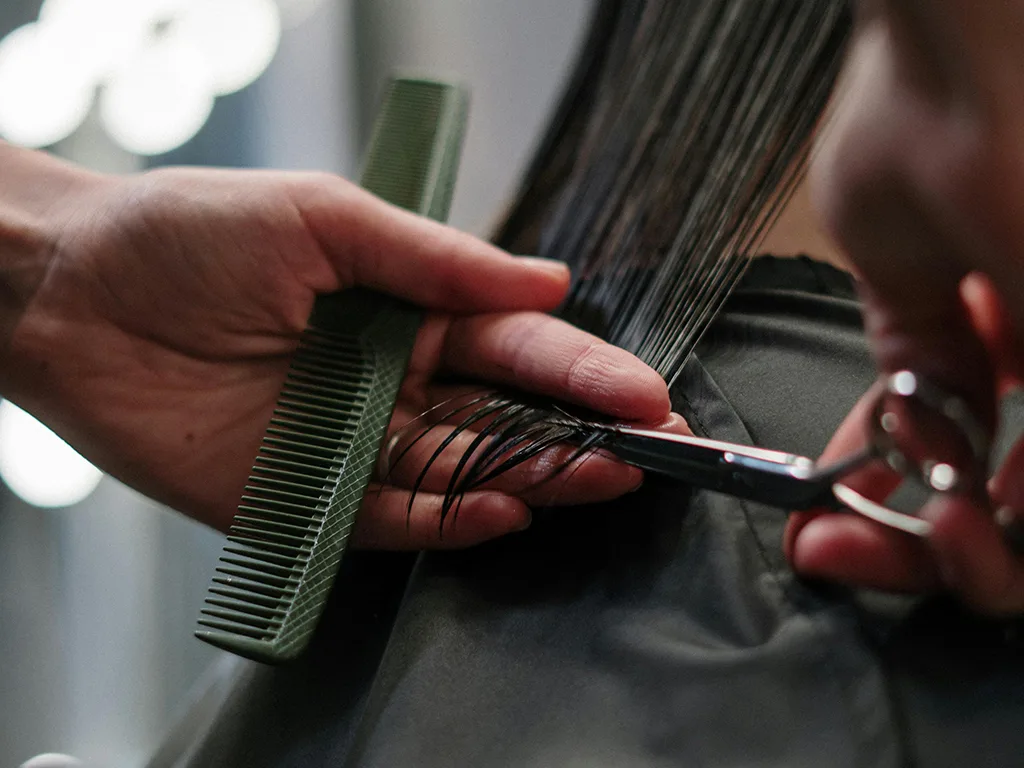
<point x="376" y="245"/>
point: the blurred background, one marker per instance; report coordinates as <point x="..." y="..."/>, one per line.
<point x="99" y="587"/>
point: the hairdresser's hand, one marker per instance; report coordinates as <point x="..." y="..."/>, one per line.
<point x="921" y="181"/>
<point x="160" y="336"/>
<point x="966" y="553"/>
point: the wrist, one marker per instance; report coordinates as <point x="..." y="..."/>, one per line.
<point x="37" y="201"/>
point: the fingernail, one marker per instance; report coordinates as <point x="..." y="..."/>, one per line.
<point x="551" y="266"/>
<point x="525" y="522"/>
<point x="675" y="423"/>
<point x="1005" y="517"/>
<point x="972" y="289"/>
<point x="639" y="483"/>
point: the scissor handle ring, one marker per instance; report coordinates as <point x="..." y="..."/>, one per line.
<point x="934" y="474"/>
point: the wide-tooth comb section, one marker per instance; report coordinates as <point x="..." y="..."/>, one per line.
<point x="307" y="481"/>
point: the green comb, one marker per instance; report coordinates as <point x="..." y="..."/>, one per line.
<point x="298" y="508"/>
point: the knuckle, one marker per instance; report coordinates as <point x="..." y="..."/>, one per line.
<point x="306" y="185"/>
<point x="520" y="342"/>
<point x="587" y="367"/>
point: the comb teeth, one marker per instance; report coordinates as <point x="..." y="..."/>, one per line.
<point x="318" y="452"/>
<point x="289" y="491"/>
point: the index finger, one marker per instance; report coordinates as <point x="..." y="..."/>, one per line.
<point x="373" y="244"/>
<point x="545" y="355"/>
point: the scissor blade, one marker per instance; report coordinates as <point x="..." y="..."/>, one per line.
<point x="771" y="477"/>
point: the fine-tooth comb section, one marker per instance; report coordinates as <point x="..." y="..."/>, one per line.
<point x="299" y="504"/>
<point x="289" y="491"/>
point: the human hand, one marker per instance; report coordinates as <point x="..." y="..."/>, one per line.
<point x="966" y="552"/>
<point x="920" y="178"/>
<point x="158" y="339"/>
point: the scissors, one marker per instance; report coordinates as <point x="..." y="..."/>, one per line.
<point x="906" y="401"/>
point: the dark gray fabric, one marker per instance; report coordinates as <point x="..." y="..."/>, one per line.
<point x="660" y="630"/>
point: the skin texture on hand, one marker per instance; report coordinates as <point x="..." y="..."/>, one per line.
<point x="158" y="339"/>
<point x="920" y="179"/>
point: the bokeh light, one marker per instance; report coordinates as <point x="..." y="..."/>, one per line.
<point x="43" y="96"/>
<point x="157" y="64"/>
<point x="238" y="38"/>
<point x="98" y="35"/>
<point x="161" y="99"/>
<point x="38" y="465"/>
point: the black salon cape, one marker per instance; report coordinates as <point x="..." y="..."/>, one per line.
<point x="664" y="629"/>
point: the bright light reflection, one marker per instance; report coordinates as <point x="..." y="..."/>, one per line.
<point x="99" y="35"/>
<point x="160" y="100"/>
<point x="238" y="38"/>
<point x="44" y="95"/>
<point x="145" y="54"/>
<point x="38" y="466"/>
